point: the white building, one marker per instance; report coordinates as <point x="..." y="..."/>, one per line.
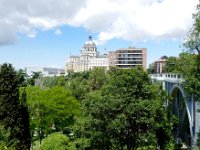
<point x="45" y="71"/>
<point x="88" y="59"/>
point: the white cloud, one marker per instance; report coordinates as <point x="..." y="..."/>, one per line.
<point x="58" y="32"/>
<point x="137" y="20"/>
<point x="32" y="33"/>
<point x="134" y="20"/>
<point x="31" y="17"/>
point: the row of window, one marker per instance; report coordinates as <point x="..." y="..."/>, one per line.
<point x="128" y="66"/>
<point x="129" y="62"/>
<point x="129" y="51"/>
<point x="129" y="59"/>
<point x="129" y="56"/>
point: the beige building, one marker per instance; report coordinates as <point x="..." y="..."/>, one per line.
<point x="88" y="59"/>
<point x="159" y="65"/>
<point x="73" y="64"/>
<point x="131" y="57"/>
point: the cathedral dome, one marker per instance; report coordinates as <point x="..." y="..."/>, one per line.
<point x="90" y="41"/>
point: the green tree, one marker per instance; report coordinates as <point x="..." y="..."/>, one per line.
<point x="97" y="78"/>
<point x="193" y="38"/>
<point x="34" y="76"/>
<point x="23" y="77"/>
<point x="57" y="141"/>
<point x="51" y="110"/>
<point x="24" y="121"/>
<point x="83" y="82"/>
<point x="150" y="69"/>
<point x="171" y="65"/>
<point x="192" y="44"/>
<point x="37" y="108"/>
<point x="124" y="113"/>
<point x="184" y="64"/>
<point x="11" y="115"/>
<point x="4" y="138"/>
<point x="63" y="107"/>
<point x="53" y="81"/>
<point x="78" y="84"/>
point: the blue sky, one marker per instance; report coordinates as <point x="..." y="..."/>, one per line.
<point x="39" y="34"/>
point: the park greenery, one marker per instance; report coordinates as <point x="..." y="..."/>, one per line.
<point x="94" y="110"/>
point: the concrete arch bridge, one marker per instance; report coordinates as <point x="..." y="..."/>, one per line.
<point x="183" y="106"/>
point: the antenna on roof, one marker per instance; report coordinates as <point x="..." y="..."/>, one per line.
<point x="90" y="38"/>
<point x="105" y="47"/>
<point x="69" y="53"/>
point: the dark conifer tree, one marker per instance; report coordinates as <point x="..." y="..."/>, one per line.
<point x="13" y="115"/>
<point x="23" y="124"/>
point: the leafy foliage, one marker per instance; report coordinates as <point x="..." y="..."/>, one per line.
<point x="187" y="65"/>
<point x="123" y="113"/>
<point x="82" y="83"/>
<point x="4" y="138"/>
<point x="192" y="79"/>
<point x="34" y="76"/>
<point x="22" y="77"/>
<point x="172" y="65"/>
<point x="53" y="81"/>
<point x="150" y="69"/>
<point x="56" y="141"/>
<point x="193" y="39"/>
<point x="77" y="83"/>
<point x="121" y="109"/>
<point x="51" y="109"/>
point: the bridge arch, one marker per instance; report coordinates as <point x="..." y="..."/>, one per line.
<point x="180" y="108"/>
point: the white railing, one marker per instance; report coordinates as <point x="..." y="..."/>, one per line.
<point x="169" y="77"/>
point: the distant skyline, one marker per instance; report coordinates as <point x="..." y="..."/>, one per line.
<point x="45" y="32"/>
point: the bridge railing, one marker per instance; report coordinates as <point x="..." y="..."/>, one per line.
<point x="166" y="75"/>
<point x="170" y="77"/>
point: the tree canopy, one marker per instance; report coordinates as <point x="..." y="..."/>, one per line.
<point x="193" y="38"/>
<point x="126" y="113"/>
<point x="192" y="44"/>
<point x="57" y="141"/>
<point x="51" y="109"/>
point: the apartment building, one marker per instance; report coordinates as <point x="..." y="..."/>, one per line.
<point x="159" y="65"/>
<point x="131" y="57"/>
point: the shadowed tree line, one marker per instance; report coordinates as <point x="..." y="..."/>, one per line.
<point x="14" y="117"/>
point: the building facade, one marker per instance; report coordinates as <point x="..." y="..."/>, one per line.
<point x="88" y="59"/>
<point x="112" y="58"/>
<point x="159" y="65"/>
<point x="45" y="71"/>
<point x="131" y="57"/>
